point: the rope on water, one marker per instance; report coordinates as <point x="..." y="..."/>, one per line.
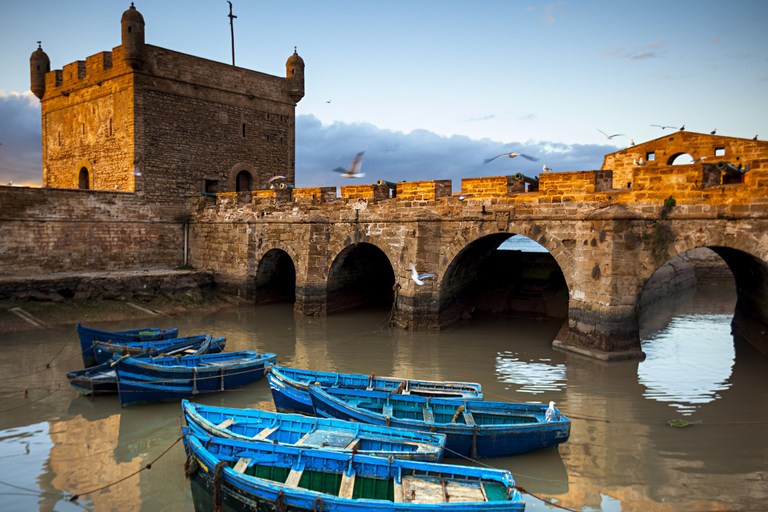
<point x="75" y="497"/>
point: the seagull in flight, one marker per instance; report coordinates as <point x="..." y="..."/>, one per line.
<point x="662" y="127"/>
<point x="328" y="101"/>
<point x="545" y="168"/>
<point x="418" y="278"/>
<point x="354" y="169"/>
<point x="609" y="137"/>
<point x="275" y="178"/>
<point x="511" y="155"/>
<point x="695" y="160"/>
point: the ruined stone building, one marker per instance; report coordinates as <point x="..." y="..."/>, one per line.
<point x="168" y="125"/>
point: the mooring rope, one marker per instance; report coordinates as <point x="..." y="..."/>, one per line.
<point x="75" y="497"/>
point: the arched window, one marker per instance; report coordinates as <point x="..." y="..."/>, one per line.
<point x="243" y="181"/>
<point x="680" y="159"/>
<point x="84" y="182"/>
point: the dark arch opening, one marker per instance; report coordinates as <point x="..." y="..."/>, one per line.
<point x="83" y="179"/>
<point x="512" y="282"/>
<point x="275" y="278"/>
<point x="360" y="276"/>
<point x="680" y="159"/>
<point x="244" y="181"/>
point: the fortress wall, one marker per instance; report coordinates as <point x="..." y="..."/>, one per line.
<point x="56" y="230"/>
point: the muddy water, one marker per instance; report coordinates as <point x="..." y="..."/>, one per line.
<point x="622" y="454"/>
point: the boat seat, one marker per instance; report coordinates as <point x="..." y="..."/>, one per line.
<point x="242" y="464"/>
<point x="435" y="490"/>
<point x="226" y="423"/>
<point x="347" y="486"/>
<point x="265" y="433"/>
<point x="294" y="477"/>
<point x="387" y="410"/>
<point x="468" y="418"/>
<point x="429" y="415"/>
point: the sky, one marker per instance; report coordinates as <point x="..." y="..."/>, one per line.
<point x="429" y="89"/>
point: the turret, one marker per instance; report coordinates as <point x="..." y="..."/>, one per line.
<point x="39" y="65"/>
<point x="294" y="72"/>
<point x="132" y="24"/>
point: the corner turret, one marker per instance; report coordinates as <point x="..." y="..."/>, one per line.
<point x="132" y="24"/>
<point x="294" y="72"/>
<point x="39" y="65"/>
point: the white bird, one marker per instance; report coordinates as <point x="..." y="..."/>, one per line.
<point x="609" y="137"/>
<point x="641" y="162"/>
<point x="545" y="168"/>
<point x="461" y="197"/>
<point x="354" y="169"/>
<point x="511" y="155"/>
<point x="713" y="131"/>
<point x="662" y="127"/>
<point x="634" y="161"/>
<point x="275" y="178"/>
<point x="631" y="142"/>
<point x="682" y="128"/>
<point x="418" y="278"/>
<point x="699" y="159"/>
<point x="551" y="413"/>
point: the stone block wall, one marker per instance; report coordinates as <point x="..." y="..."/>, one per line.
<point x="423" y="190"/>
<point x="56" y="230"/>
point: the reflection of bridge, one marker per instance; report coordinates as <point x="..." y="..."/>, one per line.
<point x="338" y="254"/>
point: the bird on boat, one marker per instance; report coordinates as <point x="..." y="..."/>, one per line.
<point x="545" y="168"/>
<point x="609" y="137"/>
<point x="354" y="169"/>
<point x="550" y="414"/>
<point x="418" y="278"/>
<point x="511" y="155"/>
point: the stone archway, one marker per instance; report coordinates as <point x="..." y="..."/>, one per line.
<point x="275" y="279"/>
<point x="83" y="175"/>
<point x="360" y="275"/>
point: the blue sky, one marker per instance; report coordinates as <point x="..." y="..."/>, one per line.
<point x="430" y="88"/>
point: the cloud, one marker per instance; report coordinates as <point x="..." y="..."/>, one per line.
<point x="422" y="155"/>
<point x="21" y="153"/>
<point x="641" y="53"/>
<point x="391" y="155"/>
<point x="484" y="118"/>
<point x="529" y="117"/>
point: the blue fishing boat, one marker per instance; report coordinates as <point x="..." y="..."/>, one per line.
<point x="89" y="335"/>
<point x="105" y="350"/>
<point x="169" y="378"/>
<point x="474" y="428"/>
<point x="226" y="474"/>
<point x="310" y="432"/>
<point x="102" y="379"/>
<point x="289" y="386"/>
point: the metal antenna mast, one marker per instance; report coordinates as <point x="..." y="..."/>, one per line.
<point x="232" y="30"/>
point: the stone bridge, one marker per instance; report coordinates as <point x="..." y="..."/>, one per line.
<point x="330" y="253"/>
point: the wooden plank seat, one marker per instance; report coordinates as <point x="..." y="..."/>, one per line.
<point x="294" y="477"/>
<point x="347" y="486"/>
<point x="265" y="433"/>
<point x="434" y="490"/>
<point x="468" y="418"/>
<point x="242" y="464"/>
<point x="429" y="415"/>
<point x="226" y="423"/>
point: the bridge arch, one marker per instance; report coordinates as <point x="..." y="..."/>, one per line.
<point x="360" y="275"/>
<point x="482" y="277"/>
<point x="275" y="279"/>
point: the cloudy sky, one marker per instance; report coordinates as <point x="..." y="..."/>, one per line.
<point x="428" y="89"/>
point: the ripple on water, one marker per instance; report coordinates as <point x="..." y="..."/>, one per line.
<point x="533" y="377"/>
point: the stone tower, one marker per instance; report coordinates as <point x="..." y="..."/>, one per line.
<point x="167" y="125"/>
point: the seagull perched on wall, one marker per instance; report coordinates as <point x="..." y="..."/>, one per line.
<point x="511" y="155"/>
<point x="713" y="131"/>
<point x="641" y="162"/>
<point x="418" y="278"/>
<point x="354" y="169"/>
<point x="609" y="137"/>
<point x="545" y="168"/>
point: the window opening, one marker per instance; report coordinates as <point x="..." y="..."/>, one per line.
<point x="83" y="179"/>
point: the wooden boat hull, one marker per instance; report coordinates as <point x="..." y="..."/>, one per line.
<point x="309" y="432"/>
<point x="161" y="379"/>
<point x="262" y="476"/>
<point x="102" y="378"/>
<point x="473" y="428"/>
<point x="88" y="336"/>
<point x="289" y="387"/>
<point x="104" y="351"/>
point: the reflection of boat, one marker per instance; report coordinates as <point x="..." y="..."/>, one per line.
<point x="104" y="350"/>
<point x="101" y="379"/>
<point x="474" y="428"/>
<point x="168" y="378"/>
<point x="290" y="386"/>
<point x="308" y="432"/>
<point x="89" y="335"/>
<point x="234" y="475"/>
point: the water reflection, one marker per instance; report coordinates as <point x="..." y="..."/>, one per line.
<point x="622" y="454"/>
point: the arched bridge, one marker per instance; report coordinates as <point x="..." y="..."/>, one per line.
<point x="332" y="253"/>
